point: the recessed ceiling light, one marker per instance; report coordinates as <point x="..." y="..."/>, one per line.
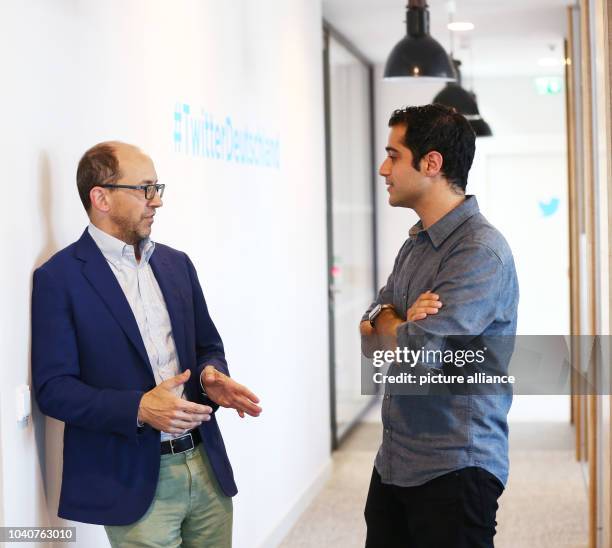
<point x="460" y="26"/>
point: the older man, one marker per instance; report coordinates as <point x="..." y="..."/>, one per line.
<point x="125" y="353"/>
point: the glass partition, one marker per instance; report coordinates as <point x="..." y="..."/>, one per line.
<point x="350" y="222"/>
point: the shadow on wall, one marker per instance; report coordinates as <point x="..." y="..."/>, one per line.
<point x="48" y="433"/>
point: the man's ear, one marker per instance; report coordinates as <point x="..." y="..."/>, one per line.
<point x="99" y="199"/>
<point x="432" y="163"/>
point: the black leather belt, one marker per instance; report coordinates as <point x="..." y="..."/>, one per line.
<point x="182" y="444"/>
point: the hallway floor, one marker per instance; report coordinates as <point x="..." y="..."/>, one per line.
<point x="544" y="504"/>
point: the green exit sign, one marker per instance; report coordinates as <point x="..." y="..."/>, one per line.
<point x="549" y="85"/>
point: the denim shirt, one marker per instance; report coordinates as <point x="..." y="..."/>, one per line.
<point x="468" y="263"/>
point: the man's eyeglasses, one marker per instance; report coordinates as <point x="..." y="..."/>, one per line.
<point x="149" y="190"/>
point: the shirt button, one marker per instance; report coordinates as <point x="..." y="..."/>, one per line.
<point x="387" y="431"/>
<point x="387" y="396"/>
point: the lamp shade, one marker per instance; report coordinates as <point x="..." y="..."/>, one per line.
<point x="480" y="127"/>
<point x="418" y="55"/>
<point x="454" y="95"/>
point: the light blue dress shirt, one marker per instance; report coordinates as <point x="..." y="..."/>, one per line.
<point x="146" y="300"/>
<point x="469" y="264"/>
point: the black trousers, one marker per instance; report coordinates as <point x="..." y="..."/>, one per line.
<point x="456" y="510"/>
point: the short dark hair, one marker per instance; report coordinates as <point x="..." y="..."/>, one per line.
<point x="98" y="166"/>
<point x="440" y="128"/>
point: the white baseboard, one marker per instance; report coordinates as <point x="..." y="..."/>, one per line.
<point x="291" y="517"/>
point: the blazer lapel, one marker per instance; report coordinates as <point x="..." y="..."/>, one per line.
<point x="167" y="278"/>
<point x="104" y="282"/>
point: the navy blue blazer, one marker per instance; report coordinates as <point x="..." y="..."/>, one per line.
<point x="90" y="370"/>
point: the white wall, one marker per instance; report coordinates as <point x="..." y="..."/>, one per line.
<point x="523" y="164"/>
<point x="78" y="72"/>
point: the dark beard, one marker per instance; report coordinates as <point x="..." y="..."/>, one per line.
<point x="127" y="232"/>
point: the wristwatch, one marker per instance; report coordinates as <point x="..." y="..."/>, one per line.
<point x="376" y="311"/>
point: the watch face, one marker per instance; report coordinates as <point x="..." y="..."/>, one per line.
<point x="375" y="311"/>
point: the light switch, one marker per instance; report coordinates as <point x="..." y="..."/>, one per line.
<point x="24" y="403"/>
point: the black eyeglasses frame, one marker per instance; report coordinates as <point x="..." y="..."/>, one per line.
<point x="159" y="189"/>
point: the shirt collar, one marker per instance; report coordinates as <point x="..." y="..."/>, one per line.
<point x="116" y="251"/>
<point x="444" y="227"/>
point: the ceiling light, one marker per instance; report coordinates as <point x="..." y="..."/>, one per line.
<point x="460" y="26"/>
<point x="418" y="55"/>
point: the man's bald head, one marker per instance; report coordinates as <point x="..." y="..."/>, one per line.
<point x="101" y="165"/>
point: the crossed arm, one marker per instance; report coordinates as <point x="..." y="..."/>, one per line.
<point x="469" y="279"/>
<point x="384" y="335"/>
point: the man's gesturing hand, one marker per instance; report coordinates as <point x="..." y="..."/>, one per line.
<point x="165" y="412"/>
<point x="426" y="303"/>
<point x="228" y="393"/>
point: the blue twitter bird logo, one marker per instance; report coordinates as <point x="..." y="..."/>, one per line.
<point x="549" y="208"/>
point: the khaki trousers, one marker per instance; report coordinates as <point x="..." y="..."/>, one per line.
<point x="188" y="510"/>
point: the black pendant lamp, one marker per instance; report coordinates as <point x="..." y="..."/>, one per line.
<point x="418" y="55"/>
<point x="454" y="95"/>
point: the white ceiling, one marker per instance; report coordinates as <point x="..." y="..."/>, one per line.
<point x="510" y="37"/>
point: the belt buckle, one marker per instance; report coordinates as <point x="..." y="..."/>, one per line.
<point x="188" y="435"/>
